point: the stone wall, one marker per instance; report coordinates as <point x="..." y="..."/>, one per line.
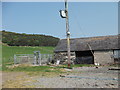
<point x="103" y="57"/>
<point x="62" y="56"/>
<point x="100" y="57"/>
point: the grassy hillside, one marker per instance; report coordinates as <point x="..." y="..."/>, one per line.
<point x="9" y="51"/>
<point x="17" y="39"/>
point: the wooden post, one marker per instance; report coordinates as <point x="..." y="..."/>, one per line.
<point x="67" y="33"/>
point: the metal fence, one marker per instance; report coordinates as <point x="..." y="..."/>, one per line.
<point x="32" y="59"/>
<point x="46" y="58"/>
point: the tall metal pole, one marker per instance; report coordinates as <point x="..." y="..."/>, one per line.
<point x="67" y="33"/>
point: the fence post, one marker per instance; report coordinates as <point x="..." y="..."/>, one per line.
<point x="39" y="59"/>
<point x="35" y="59"/>
<point x="14" y="59"/>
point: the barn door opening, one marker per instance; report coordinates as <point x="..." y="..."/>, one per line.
<point x="84" y="57"/>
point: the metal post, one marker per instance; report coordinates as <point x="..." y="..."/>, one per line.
<point x="39" y="59"/>
<point x="14" y="59"/>
<point x="67" y="33"/>
<point x="35" y="59"/>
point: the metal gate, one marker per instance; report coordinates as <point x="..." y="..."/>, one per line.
<point x="32" y="59"/>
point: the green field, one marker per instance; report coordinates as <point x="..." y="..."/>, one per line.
<point x="8" y="58"/>
<point x="9" y="51"/>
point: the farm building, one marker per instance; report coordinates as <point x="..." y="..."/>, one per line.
<point x="91" y="50"/>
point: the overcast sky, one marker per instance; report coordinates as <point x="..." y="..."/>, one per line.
<point x="86" y="19"/>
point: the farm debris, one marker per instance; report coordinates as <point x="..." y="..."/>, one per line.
<point x="58" y="61"/>
<point x="62" y="75"/>
<point x="68" y="69"/>
<point x="114" y="69"/>
<point x="96" y="67"/>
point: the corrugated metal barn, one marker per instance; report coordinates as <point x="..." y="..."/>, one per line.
<point x="91" y="50"/>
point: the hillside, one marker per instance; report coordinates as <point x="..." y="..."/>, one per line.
<point x="17" y="39"/>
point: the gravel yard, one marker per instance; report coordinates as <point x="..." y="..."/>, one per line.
<point x="83" y="77"/>
<point x="80" y="77"/>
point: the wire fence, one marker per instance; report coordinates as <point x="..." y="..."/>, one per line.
<point x="32" y="59"/>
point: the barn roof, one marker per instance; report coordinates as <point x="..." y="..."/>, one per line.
<point x="95" y="43"/>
